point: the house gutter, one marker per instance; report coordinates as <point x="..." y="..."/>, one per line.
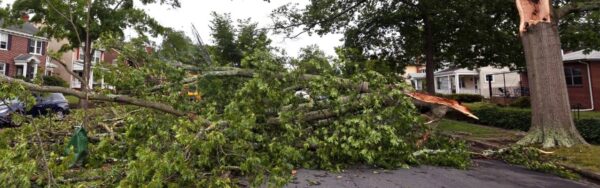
<point x="590" y="86"/>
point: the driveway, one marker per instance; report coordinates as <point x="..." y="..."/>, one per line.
<point x="483" y="174"/>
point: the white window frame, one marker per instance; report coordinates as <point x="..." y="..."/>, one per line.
<point x="97" y="57"/>
<point x="37" y="46"/>
<point x="4" y="39"/>
<point x="2" y="68"/>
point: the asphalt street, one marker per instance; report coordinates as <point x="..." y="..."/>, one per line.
<point x="483" y="174"/>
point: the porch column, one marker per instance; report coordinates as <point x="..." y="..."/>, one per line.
<point x="25" y="70"/>
<point x="35" y="68"/>
<point x="457" y="78"/>
<point x="91" y="81"/>
<point x="449" y="85"/>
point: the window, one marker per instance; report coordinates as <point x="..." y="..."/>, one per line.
<point x="442" y="83"/>
<point x="3" y="68"/>
<point x="95" y="58"/>
<point x="3" y="41"/>
<point x="81" y="54"/>
<point x="35" y="47"/>
<point x="97" y="55"/>
<point x="462" y="83"/>
<point x="574" y="76"/>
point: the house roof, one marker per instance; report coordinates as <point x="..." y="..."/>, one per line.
<point x="580" y="55"/>
<point x="25" y="58"/>
<point x="26" y="28"/>
<point x="416" y="75"/>
<point x="450" y="71"/>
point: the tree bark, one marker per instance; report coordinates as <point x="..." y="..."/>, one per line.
<point x="429" y="53"/>
<point x="552" y="123"/>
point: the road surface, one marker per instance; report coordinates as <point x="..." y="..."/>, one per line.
<point x="483" y="174"/>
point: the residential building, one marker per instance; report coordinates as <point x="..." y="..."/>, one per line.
<point x="73" y="60"/>
<point x="582" y="73"/>
<point x="502" y="81"/>
<point x="22" y="53"/>
<point x="415" y="76"/>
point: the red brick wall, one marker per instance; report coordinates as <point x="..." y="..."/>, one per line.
<point x="581" y="94"/>
<point x="595" y="74"/>
<point x="19" y="46"/>
<point x="110" y="55"/>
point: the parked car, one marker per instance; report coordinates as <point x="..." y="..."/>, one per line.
<point x="7" y="109"/>
<point x="52" y="103"/>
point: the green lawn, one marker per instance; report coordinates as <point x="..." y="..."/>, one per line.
<point x="585" y="157"/>
<point x="474" y="131"/>
<point x="588" y="115"/>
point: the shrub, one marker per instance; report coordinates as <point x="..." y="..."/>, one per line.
<point x="589" y="129"/>
<point x="464" y="98"/>
<point x="55" y="81"/>
<point x="521" y="102"/>
<point x="507" y="118"/>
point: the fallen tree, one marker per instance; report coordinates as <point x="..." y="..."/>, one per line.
<point x="376" y="126"/>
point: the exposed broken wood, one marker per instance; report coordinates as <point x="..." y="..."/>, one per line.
<point x="533" y="12"/>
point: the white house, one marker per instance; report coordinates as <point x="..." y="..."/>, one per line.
<point x="473" y="81"/>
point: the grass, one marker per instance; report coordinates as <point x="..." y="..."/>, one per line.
<point x="473" y="131"/>
<point x="584" y="157"/>
<point x="588" y="115"/>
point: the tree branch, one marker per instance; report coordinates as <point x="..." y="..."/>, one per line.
<point x="249" y="73"/>
<point x="96" y="97"/>
<point x="578" y="7"/>
<point x="64" y="65"/>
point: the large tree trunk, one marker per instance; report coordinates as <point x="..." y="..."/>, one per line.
<point x="429" y="52"/>
<point x="552" y="124"/>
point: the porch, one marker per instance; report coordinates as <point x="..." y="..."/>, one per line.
<point x="453" y="82"/>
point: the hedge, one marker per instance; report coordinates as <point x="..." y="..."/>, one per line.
<point x="463" y="98"/>
<point x="590" y="130"/>
<point x="520" y="119"/>
<point x="55" y="81"/>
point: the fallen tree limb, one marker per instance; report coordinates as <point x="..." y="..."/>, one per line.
<point x="249" y="73"/>
<point x="96" y="97"/>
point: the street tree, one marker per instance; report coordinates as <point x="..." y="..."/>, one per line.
<point x="83" y="22"/>
<point x="404" y="32"/>
<point x="552" y="122"/>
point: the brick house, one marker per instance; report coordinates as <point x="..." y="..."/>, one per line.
<point x="22" y="53"/>
<point x="582" y="72"/>
<point x="74" y="63"/>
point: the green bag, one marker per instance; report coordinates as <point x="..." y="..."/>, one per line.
<point x="79" y="143"/>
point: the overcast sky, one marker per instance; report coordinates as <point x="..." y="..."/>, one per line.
<point x="197" y="12"/>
